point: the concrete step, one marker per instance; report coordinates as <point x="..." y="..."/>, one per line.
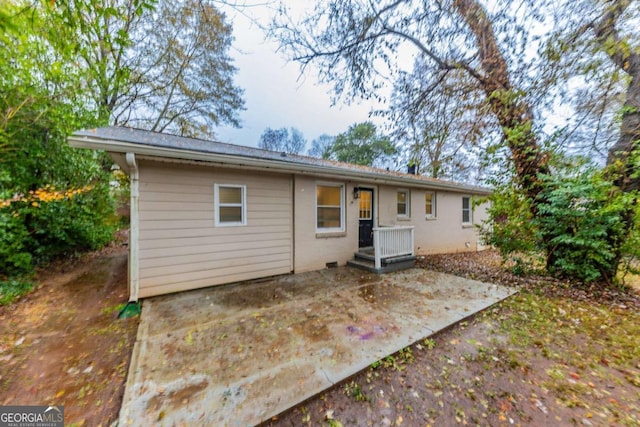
<point x="366" y="250"/>
<point x="364" y="256"/>
<point x="367" y="263"/>
<point x="385" y="261"/>
<point x="400" y="259"/>
<point x="364" y="265"/>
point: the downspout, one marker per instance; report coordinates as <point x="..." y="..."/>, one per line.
<point x="134" y="228"/>
<point x="293" y="223"/>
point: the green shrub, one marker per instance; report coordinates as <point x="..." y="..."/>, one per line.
<point x="14" y="255"/>
<point x="510" y="228"/>
<point x="12" y="289"/>
<point x="33" y="232"/>
<point x="54" y="200"/>
<point x="581" y="226"/>
<point x="579" y="229"/>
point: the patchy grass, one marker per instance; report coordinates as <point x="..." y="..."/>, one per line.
<point x="574" y="331"/>
<point x="354" y="390"/>
<point x="12" y="289"/>
<point x="593" y="351"/>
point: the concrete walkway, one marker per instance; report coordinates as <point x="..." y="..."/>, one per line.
<point x="237" y="355"/>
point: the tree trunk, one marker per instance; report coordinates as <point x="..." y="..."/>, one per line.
<point x="623" y="156"/>
<point x="513" y="113"/>
<point x="621" y="161"/>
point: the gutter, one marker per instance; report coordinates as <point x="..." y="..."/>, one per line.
<point x="263" y="164"/>
<point x="134" y="228"/>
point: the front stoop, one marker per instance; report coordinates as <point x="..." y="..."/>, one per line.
<point x="366" y="261"/>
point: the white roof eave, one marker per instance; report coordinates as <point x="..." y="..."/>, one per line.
<point x="96" y="143"/>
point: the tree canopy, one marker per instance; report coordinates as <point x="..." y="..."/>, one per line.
<point x="80" y="64"/>
<point x="53" y="199"/>
<point x="181" y="76"/>
<point x="355" y="46"/>
<point x="321" y="146"/>
<point x="161" y="66"/>
<point x="444" y="130"/>
<point x="362" y="145"/>
<point x="284" y="140"/>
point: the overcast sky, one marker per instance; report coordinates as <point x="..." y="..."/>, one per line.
<point x="276" y="95"/>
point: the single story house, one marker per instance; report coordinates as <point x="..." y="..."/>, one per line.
<point x="207" y="213"/>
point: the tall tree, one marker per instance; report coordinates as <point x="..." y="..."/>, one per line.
<point x="362" y="145"/>
<point x="623" y="161"/>
<point x="284" y="140"/>
<point x="439" y="127"/>
<point x="161" y="67"/>
<point x="623" y="155"/>
<point x="101" y="36"/>
<point x="598" y="50"/>
<point x="53" y="199"/>
<point x="321" y="146"/>
<point x="355" y="46"/>
<point x="181" y="73"/>
<point x="349" y="41"/>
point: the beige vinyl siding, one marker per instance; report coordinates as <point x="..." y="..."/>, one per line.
<point x="180" y="246"/>
<point x="315" y="248"/>
<point x="441" y="234"/>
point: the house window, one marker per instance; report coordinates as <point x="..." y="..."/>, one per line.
<point x="430" y="204"/>
<point x="230" y="203"/>
<point x="403" y="203"/>
<point x="467" y="212"/>
<point x="329" y="207"/>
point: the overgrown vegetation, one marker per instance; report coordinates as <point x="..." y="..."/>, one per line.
<point x="53" y="200"/>
<point x="579" y="233"/>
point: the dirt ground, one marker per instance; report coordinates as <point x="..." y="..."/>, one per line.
<point x="552" y="355"/>
<point x="62" y="344"/>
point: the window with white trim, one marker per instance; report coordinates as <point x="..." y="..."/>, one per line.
<point x="403" y="205"/>
<point x="430" y="204"/>
<point x="230" y="203"/>
<point x="467" y="210"/>
<point x="329" y="207"/>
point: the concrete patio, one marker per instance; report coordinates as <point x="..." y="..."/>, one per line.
<point x="237" y="355"/>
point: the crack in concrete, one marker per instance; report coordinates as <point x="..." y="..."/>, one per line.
<point x="326" y="375"/>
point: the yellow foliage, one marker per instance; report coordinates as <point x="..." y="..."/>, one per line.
<point x="46" y="194"/>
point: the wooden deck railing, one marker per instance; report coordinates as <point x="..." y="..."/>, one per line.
<point x="392" y="241"/>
